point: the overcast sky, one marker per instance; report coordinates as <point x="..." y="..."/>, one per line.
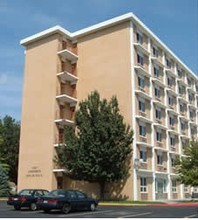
<point x="175" y="22"/>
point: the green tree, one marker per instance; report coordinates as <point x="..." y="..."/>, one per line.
<point x="4" y="186"/>
<point x="9" y="146"/>
<point x="187" y="166"/>
<point x="99" y="149"/>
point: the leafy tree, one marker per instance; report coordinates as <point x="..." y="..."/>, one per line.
<point x="4" y="186"/>
<point x="99" y="150"/>
<point x="187" y="166"/>
<point x="9" y="146"/>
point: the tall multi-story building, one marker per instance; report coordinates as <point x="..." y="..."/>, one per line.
<point x="157" y="94"/>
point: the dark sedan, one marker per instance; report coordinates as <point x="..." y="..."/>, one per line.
<point x="26" y="198"/>
<point x="67" y="200"/>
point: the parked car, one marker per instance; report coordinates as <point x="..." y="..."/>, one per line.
<point x="26" y="198"/>
<point x="67" y="200"/>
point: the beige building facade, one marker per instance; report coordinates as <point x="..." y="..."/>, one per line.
<point x="157" y="94"/>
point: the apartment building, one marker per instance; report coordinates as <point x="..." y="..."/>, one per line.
<point x="157" y="94"/>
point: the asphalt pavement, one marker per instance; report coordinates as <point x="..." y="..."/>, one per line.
<point x="188" y="210"/>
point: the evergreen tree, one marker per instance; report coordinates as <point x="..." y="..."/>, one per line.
<point x="99" y="149"/>
<point x="4" y="186"/>
<point x="187" y="166"/>
<point x="9" y="145"/>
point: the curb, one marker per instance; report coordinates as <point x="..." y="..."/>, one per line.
<point x="157" y="205"/>
<point x="124" y="204"/>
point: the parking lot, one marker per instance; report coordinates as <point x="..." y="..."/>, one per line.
<point x="185" y="211"/>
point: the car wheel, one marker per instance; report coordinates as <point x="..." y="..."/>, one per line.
<point x="93" y="206"/>
<point x="66" y="208"/>
<point x="33" y="207"/>
<point x="17" y="207"/>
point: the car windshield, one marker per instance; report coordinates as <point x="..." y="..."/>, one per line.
<point x="57" y="193"/>
<point x="26" y="192"/>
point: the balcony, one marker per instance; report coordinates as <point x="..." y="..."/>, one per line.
<point x="142" y="70"/>
<point x="66" y="76"/>
<point x="67" y="99"/>
<point x="64" y="122"/>
<point x="161" y="168"/>
<point x="158" y="82"/>
<point x="141" y="48"/>
<point x="159" y="103"/>
<point x="67" y="54"/>
<point x="59" y="170"/>
<point x="157" y="61"/>
<point x="143" y="94"/>
<point x="170" y="71"/>
<point x="143" y="119"/>
<point x="160" y="125"/>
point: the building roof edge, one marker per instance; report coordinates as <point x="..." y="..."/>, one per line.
<point x="45" y="33"/>
<point x="125" y="17"/>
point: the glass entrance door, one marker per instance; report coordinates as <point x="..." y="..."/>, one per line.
<point x="159" y="189"/>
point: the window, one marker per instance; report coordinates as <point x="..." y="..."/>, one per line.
<point x="182" y="108"/>
<point x="174" y="185"/>
<point x="181" y="90"/>
<point x="191" y="115"/>
<point x="140" y="59"/>
<point x="183" y="126"/>
<point x="189" y="81"/>
<point x="180" y="73"/>
<point x="142" y="130"/>
<point x="80" y="195"/>
<point x="185" y="188"/>
<point x="155" y="51"/>
<point x="172" y="140"/>
<point x="170" y="81"/>
<point x="157" y="92"/>
<point x="170" y="101"/>
<point x="159" y="159"/>
<point x="139" y="37"/>
<point x="156" y="71"/>
<point x="159" y="135"/>
<point x="190" y="98"/>
<point x="141" y="82"/>
<point x="173" y="161"/>
<point x="158" y="113"/>
<point x="143" y="155"/>
<point x="168" y="63"/>
<point x="143" y="184"/>
<point x="142" y="105"/>
<point x="171" y="120"/>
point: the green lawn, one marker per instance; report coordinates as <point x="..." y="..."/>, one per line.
<point x="131" y="202"/>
